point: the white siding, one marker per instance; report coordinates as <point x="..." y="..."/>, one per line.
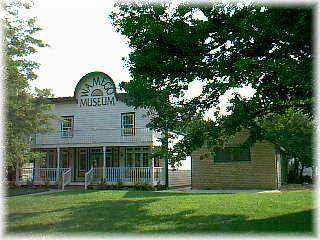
<point x="97" y="125"/>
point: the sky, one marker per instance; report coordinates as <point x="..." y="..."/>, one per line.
<point x="81" y="40"/>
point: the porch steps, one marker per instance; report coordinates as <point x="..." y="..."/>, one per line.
<point x="74" y="185"/>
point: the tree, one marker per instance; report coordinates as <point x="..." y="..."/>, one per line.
<point x="294" y="132"/>
<point x="27" y="111"/>
<point x="226" y="47"/>
<point x="151" y="88"/>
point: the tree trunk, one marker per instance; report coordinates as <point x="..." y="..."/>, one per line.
<point x="166" y="157"/>
<point x="296" y="170"/>
<point x="301" y="172"/>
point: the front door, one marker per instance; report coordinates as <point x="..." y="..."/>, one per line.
<point x="96" y="161"/>
<point x="82" y="163"/>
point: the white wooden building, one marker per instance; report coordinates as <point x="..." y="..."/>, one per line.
<point x="97" y="137"/>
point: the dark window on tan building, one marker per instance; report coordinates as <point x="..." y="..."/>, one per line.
<point x="232" y="154"/>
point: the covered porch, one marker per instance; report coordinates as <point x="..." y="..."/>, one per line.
<point x="126" y="176"/>
<point x="93" y="165"/>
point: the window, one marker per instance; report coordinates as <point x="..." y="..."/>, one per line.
<point x="96" y="157"/>
<point x="232" y="154"/>
<point x="82" y="160"/>
<point x="109" y="157"/>
<point x="145" y="159"/>
<point x="129" y="159"/>
<point x="49" y="159"/>
<point x="127" y="124"/>
<point x="137" y="157"/>
<point x="156" y="161"/>
<point x="67" y="126"/>
<point x="65" y="158"/>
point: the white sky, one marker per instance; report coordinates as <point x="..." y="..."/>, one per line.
<point x="81" y="40"/>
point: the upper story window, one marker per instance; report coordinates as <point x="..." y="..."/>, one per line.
<point x="233" y="154"/>
<point x="128" y="124"/>
<point x="67" y="126"/>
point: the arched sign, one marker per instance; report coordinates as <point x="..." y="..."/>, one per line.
<point x="95" y="89"/>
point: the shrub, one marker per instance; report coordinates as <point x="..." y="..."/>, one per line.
<point x="47" y="182"/>
<point x="143" y="187"/>
<point x="119" y="184"/>
<point x="293" y="178"/>
<point x="30" y="183"/>
<point x="307" y="179"/>
<point x="160" y="187"/>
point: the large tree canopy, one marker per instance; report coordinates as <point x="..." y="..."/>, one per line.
<point x="27" y="110"/>
<point x="226" y="47"/>
<point x="293" y="130"/>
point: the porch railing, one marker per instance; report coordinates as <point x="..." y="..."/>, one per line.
<point x="87" y="136"/>
<point x="128" y="175"/>
<point x="66" y="178"/>
<point x="88" y="177"/>
<point x="158" y="175"/>
<point x="49" y="175"/>
<point x="111" y="175"/>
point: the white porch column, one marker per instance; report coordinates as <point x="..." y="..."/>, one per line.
<point x="58" y="162"/>
<point x="152" y="171"/>
<point x="104" y="163"/>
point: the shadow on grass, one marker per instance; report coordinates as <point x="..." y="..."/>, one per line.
<point x="144" y="194"/>
<point x="128" y="216"/>
<point x="14" y="191"/>
<point x="134" y="193"/>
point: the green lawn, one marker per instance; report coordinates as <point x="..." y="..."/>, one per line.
<point x="23" y="191"/>
<point x="149" y="212"/>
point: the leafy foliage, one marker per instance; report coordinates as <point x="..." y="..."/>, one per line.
<point x="294" y="132"/>
<point x="226" y="47"/>
<point x="27" y="111"/>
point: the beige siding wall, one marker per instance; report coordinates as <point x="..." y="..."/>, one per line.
<point x="179" y="178"/>
<point x="259" y="173"/>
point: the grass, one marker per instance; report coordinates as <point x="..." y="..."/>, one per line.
<point x="15" y="191"/>
<point x="91" y="211"/>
